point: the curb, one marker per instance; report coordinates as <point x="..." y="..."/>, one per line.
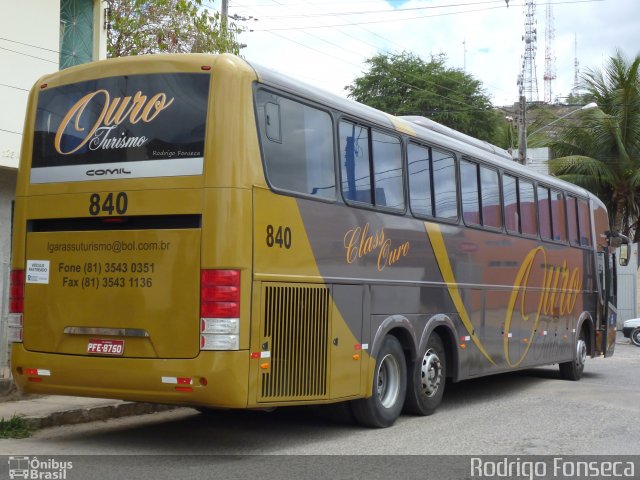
<point x="86" y="415"/>
<point x="6" y="386"/>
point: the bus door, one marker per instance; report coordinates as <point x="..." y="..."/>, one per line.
<point x="606" y="334"/>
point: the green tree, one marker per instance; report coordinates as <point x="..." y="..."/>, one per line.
<point x="602" y="152"/>
<point x="138" y="27"/>
<point x="405" y="84"/>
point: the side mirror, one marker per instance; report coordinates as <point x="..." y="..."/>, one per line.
<point x="624" y="254"/>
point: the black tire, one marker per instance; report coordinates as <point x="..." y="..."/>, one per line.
<point x="426" y="378"/>
<point x="635" y="336"/>
<point x="573" y="370"/>
<point x="388" y="391"/>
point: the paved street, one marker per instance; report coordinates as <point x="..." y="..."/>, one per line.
<point x="532" y="412"/>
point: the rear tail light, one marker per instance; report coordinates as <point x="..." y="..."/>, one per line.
<point x="16" y="306"/>
<point x="219" y="309"/>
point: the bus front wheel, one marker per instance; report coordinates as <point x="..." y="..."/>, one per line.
<point x="573" y="370"/>
<point x="426" y="378"/>
<point x="388" y="390"/>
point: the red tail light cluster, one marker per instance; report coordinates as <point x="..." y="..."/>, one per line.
<point x="219" y="293"/>
<point x="219" y="309"/>
<point x="16" y="292"/>
<point x="16" y="306"/>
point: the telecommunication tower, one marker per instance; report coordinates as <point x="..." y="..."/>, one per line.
<point x="529" y="77"/>
<point x="549" y="56"/>
<point x="576" y="65"/>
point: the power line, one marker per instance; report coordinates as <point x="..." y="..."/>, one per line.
<point x="11" y="86"/>
<point x="394" y="10"/>
<point x="10" y="131"/>
<point x="460" y="102"/>
<point x="376" y="47"/>
<point x="28" y="45"/>
<point x="388" y="20"/>
<point x="27" y="55"/>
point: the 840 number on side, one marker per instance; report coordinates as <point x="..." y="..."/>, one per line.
<point x="278" y="236"/>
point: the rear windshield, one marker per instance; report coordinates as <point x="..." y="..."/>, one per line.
<point x="121" y="127"/>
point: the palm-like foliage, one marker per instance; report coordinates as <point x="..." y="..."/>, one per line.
<point x="602" y="151"/>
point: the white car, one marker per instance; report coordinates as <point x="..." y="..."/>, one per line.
<point x="631" y="330"/>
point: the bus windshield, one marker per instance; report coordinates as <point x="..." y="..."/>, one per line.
<point x="128" y="126"/>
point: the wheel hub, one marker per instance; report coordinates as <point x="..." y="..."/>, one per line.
<point x="431" y="373"/>
<point x="581" y="353"/>
<point x="388" y="381"/>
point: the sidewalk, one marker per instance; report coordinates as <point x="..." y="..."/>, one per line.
<point x="50" y="411"/>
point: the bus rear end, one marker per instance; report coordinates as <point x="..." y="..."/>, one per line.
<point x="132" y="236"/>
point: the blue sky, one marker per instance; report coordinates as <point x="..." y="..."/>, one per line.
<point x="325" y="42"/>
<point x="397" y="3"/>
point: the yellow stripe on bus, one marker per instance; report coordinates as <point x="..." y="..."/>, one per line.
<point x="440" y="251"/>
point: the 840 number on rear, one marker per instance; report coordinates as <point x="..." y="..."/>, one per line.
<point x="109" y="204"/>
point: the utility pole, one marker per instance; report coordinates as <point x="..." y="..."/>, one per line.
<point x="522" y="123"/>
<point x="224" y="12"/>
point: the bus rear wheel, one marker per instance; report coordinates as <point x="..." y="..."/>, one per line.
<point x="573" y="370"/>
<point x="426" y="379"/>
<point x="388" y="391"/>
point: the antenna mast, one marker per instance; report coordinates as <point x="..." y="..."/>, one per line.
<point x="549" y="56"/>
<point x="576" y="65"/>
<point x="529" y="77"/>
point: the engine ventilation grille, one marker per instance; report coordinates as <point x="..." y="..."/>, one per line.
<point x="296" y="329"/>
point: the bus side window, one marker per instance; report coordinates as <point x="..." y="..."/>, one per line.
<point x="356" y="169"/>
<point x="490" y="197"/>
<point x="363" y="149"/>
<point x="572" y="217"/>
<point x="470" y="192"/>
<point x="420" y="189"/>
<point x="511" y="209"/>
<point x="526" y="201"/>
<point x="584" y="224"/>
<point x="544" y="213"/>
<point x="387" y="166"/>
<point x="445" y="185"/>
<point x="297" y="142"/>
<point x="558" y="216"/>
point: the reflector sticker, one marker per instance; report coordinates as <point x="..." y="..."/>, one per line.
<point x="178" y="380"/>
<point x="105" y="347"/>
<point x="37" y="271"/>
<point x="38" y="371"/>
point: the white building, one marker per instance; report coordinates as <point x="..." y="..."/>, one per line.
<point x="36" y="37"/>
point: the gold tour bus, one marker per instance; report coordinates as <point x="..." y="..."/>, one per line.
<point x="199" y="230"/>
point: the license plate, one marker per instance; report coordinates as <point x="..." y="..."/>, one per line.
<point x="105" y="347"/>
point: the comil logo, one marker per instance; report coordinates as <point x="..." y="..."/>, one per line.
<point x="37" y="469"/>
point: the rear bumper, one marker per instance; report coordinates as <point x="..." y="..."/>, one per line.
<point x="626" y="331"/>
<point x="137" y="379"/>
